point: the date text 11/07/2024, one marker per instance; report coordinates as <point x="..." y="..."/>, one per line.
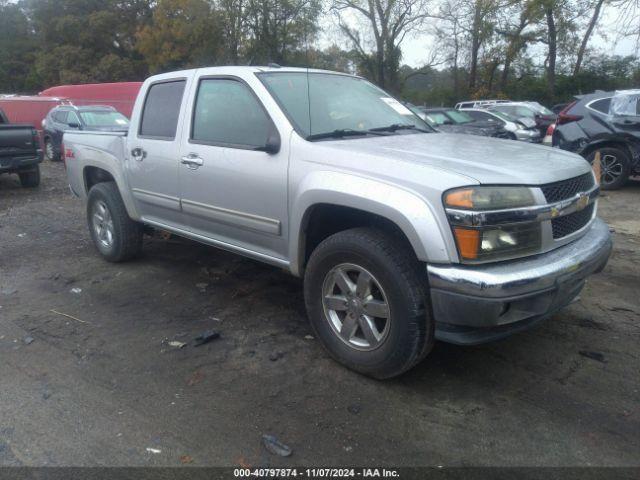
<point x="315" y="473"/>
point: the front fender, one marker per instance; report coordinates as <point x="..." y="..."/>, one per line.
<point x="410" y="212"/>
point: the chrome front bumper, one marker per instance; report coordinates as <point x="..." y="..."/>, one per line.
<point x="477" y="304"/>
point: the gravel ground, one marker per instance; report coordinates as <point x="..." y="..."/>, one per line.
<point x="102" y="386"/>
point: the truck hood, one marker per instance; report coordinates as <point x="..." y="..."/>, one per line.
<point x="483" y="159"/>
<point x="469" y="129"/>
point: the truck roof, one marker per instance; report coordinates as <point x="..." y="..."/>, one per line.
<point x="240" y="70"/>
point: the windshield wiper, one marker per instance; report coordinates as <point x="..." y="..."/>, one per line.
<point x="342" y="132"/>
<point x="398" y="126"/>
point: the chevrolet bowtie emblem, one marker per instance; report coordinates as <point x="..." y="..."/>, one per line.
<point x="583" y="201"/>
<point x="554" y="212"/>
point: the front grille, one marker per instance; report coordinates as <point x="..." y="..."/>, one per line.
<point x="563" y="226"/>
<point x="554" y="192"/>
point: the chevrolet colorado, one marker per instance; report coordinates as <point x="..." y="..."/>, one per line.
<point x="403" y="235"/>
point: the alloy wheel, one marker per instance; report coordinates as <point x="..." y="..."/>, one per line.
<point x="356" y="306"/>
<point x="103" y="224"/>
<point x="610" y="169"/>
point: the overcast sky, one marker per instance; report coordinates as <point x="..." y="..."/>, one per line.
<point x="416" y="49"/>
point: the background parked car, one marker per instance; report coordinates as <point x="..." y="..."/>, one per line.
<point x="478" y="103"/>
<point x="20" y="151"/>
<point x="69" y="117"/>
<point x="558" y="107"/>
<point x="605" y="122"/>
<point x="540" y="114"/>
<point x="456" y="121"/>
<point x="515" y="128"/>
<point x="29" y="109"/>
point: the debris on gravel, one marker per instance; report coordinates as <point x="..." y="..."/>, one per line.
<point x="206" y="337"/>
<point x="275" y="446"/>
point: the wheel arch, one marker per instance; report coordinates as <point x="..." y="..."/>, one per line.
<point x="618" y="143"/>
<point x="329" y="202"/>
<point x="93" y="174"/>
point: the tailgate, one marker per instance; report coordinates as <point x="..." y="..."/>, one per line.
<point x="17" y="141"/>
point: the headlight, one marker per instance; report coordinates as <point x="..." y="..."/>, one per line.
<point x="497" y="243"/>
<point x="489" y="198"/>
<point x="477" y="242"/>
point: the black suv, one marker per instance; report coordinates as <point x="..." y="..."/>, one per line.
<point x="69" y="117"/>
<point x="605" y="122"/>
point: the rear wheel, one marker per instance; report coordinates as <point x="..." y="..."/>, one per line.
<point x="115" y="235"/>
<point x="30" y="178"/>
<point x="615" y="167"/>
<point x="50" y="151"/>
<point x="367" y="302"/>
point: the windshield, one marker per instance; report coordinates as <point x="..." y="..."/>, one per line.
<point x="317" y="103"/>
<point x="459" y="117"/>
<point x="540" y="108"/>
<point x="104" y="118"/>
<point x="504" y="116"/>
<point x="517" y="111"/>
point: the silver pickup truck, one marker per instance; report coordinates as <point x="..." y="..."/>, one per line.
<point x="403" y="235"/>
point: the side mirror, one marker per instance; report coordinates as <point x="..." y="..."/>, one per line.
<point x="272" y="145"/>
<point x="447" y="122"/>
<point x="73" y="125"/>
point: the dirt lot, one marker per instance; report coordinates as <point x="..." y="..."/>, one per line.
<point x="104" y="388"/>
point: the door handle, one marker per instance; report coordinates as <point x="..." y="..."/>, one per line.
<point x="192" y="161"/>
<point x="138" y="154"/>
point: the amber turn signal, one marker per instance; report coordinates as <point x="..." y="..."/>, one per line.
<point x="468" y="242"/>
<point x="460" y="198"/>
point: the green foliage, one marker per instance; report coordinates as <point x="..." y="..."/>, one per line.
<point x="16" y="49"/>
<point x="51" y="42"/>
<point x="181" y="34"/>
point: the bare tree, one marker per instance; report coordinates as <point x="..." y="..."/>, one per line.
<point x="387" y="23"/>
<point x="587" y="34"/>
<point x="449" y="33"/>
<point x="516" y="35"/>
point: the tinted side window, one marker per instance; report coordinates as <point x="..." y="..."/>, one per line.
<point x="60" y="117"/>
<point x="601" y="105"/>
<point x="479" y="115"/>
<point x="226" y="112"/>
<point x="161" y="110"/>
<point x="72" y="118"/>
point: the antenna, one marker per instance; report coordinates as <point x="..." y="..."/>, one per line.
<point x="306" y="41"/>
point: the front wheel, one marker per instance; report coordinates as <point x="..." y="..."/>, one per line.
<point x="615" y="167"/>
<point x="30" y="178"/>
<point x="367" y="302"/>
<point x="115" y="235"/>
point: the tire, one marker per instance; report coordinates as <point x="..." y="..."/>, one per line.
<point x="30" y="178"/>
<point x="401" y="340"/>
<point x="50" y="151"/>
<point x="116" y="237"/>
<point x="615" y="167"/>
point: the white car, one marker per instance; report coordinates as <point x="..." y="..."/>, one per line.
<point x="523" y="129"/>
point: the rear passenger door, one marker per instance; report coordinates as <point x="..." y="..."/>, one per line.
<point x="153" y="156"/>
<point x="232" y="192"/>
